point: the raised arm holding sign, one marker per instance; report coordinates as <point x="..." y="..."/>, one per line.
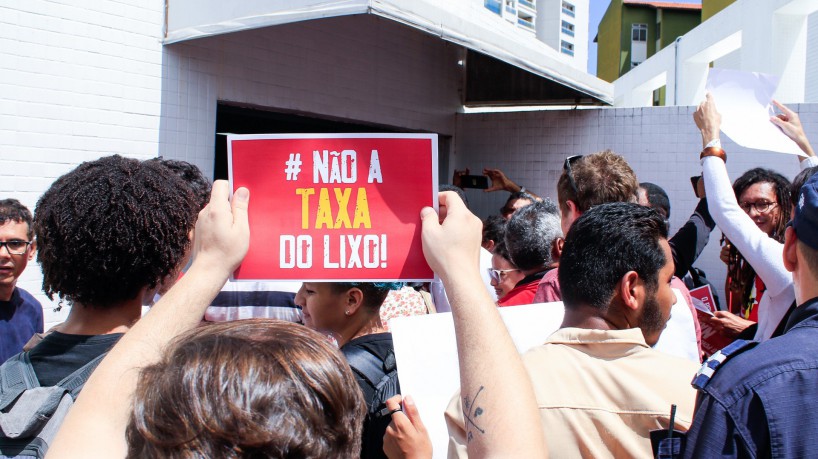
<point x="492" y="377"/>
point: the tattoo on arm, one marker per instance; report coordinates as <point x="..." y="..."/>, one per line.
<point x="471" y="413"/>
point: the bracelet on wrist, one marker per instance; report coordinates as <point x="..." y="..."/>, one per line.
<point x="714" y="151"/>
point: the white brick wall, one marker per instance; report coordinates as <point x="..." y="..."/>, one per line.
<point x="78" y="80"/>
<point x="661" y="144"/>
<point x="811" y="79"/>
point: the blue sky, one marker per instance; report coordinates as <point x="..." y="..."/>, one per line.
<point x="598" y="8"/>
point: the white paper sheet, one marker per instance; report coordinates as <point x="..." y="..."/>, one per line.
<point x="426" y="354"/>
<point x="744" y="100"/>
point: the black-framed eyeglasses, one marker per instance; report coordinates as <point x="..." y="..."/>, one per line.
<point x="570" y="173"/>
<point x="496" y="274"/>
<point x="761" y="207"/>
<point x="15" y="246"/>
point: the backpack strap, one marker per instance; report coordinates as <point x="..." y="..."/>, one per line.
<point x="16" y="376"/>
<point x="694" y="274"/>
<point x="390" y="368"/>
<point x="73" y="383"/>
<point x="366" y="364"/>
<point x="33" y="408"/>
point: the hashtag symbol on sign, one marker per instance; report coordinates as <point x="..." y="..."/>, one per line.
<point x="293" y="166"/>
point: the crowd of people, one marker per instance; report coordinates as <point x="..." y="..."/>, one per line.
<point x="214" y="369"/>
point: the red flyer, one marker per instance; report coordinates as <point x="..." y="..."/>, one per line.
<point x="705" y="295"/>
<point x="335" y="207"/>
<point x="712" y="339"/>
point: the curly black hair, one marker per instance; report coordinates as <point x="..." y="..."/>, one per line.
<point x="111" y="227"/>
<point x="192" y="175"/>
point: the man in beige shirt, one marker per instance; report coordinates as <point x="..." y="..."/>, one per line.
<point x="599" y="385"/>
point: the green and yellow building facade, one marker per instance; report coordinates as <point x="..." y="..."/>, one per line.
<point x="632" y="31"/>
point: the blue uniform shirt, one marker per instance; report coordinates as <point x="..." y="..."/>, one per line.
<point x="760" y="403"/>
<point x="20" y="318"/>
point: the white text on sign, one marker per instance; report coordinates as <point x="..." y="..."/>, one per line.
<point x="328" y="208"/>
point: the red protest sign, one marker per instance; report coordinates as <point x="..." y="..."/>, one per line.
<point x="335" y="207"/>
<point x="712" y="339"/>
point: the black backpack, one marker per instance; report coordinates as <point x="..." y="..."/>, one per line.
<point x="382" y="377"/>
<point x="31" y="415"/>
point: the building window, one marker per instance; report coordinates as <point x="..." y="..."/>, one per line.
<point x="639" y="32"/>
<point x="566" y="47"/>
<point x="526" y="21"/>
<point x="568" y="8"/>
<point x="639" y="44"/>
<point x="492" y="5"/>
<point x="568" y="28"/>
<point x="528" y="3"/>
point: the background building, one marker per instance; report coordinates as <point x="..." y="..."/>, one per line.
<point x="774" y="37"/>
<point x="560" y="24"/>
<point x="711" y="7"/>
<point x="632" y="30"/>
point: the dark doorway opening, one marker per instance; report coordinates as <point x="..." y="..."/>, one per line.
<point x="232" y="119"/>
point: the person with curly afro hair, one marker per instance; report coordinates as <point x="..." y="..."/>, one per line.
<point x="110" y="233"/>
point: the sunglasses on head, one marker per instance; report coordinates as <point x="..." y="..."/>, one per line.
<point x="569" y="161"/>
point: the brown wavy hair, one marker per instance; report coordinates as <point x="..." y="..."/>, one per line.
<point x="247" y="389"/>
<point x="601" y="178"/>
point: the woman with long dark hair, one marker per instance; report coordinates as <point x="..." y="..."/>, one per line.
<point x="764" y="195"/>
<point x="744" y="223"/>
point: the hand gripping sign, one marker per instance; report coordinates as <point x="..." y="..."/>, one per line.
<point x="335" y="207"/>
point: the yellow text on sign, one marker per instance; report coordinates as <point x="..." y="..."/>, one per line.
<point x="323" y="217"/>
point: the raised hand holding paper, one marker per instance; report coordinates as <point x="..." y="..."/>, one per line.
<point x="744" y="100"/>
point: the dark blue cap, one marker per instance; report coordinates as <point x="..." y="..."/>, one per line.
<point x="805" y="220"/>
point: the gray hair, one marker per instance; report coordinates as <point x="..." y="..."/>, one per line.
<point x="531" y="233"/>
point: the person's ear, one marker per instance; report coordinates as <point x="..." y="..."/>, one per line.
<point x="354" y="299"/>
<point x="32" y="250"/>
<point x="489" y="245"/>
<point x="572" y="209"/>
<point x="569" y="213"/>
<point x="790" y="250"/>
<point x="556" y="248"/>
<point x="631" y="290"/>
